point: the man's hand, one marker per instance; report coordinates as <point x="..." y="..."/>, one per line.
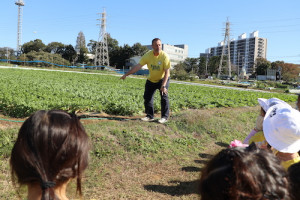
<point x="123" y="77"/>
<point x="132" y="71"/>
<point x="163" y="90"/>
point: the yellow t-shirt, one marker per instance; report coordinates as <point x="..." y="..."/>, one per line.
<point x="259" y="139"/>
<point x="156" y="65"/>
<point x="287" y="164"/>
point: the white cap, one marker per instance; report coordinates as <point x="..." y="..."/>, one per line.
<point x="267" y="103"/>
<point x="281" y="128"/>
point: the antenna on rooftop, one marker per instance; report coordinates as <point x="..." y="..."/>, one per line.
<point x="101" y="54"/>
<point x="19" y="3"/>
<point x="226" y="38"/>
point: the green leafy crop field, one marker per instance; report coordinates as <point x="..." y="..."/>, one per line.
<point x="24" y="91"/>
<point x="130" y="159"/>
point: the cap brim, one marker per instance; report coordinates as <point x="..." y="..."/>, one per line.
<point x="263" y="103"/>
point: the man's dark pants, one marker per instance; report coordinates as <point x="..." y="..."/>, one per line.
<point x="150" y="89"/>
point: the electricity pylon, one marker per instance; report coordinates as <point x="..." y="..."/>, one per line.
<point x="226" y="39"/>
<point x="101" y="54"/>
<point x="19" y="3"/>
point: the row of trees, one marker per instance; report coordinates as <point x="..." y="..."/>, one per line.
<point x="66" y="54"/>
<point x="200" y="67"/>
<point x="7" y="53"/>
<point x="289" y="71"/>
<point x="119" y="54"/>
<point x="197" y="67"/>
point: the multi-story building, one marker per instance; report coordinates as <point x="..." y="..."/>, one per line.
<point x="243" y="52"/>
<point x="177" y="53"/>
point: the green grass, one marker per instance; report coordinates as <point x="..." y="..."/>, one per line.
<point x="5" y="64"/>
<point x="122" y="146"/>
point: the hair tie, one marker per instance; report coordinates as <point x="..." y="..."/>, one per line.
<point x="47" y="184"/>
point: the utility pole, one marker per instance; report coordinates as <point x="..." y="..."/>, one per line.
<point x="19" y="3"/>
<point x="243" y="68"/>
<point x="238" y="66"/>
<point x="226" y="39"/>
<point x="101" y="54"/>
<point x="7" y="54"/>
<point x="206" y="65"/>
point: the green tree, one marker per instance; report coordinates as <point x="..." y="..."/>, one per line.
<point x="7" y="52"/>
<point x="114" y="52"/>
<point x="54" y="47"/>
<point x="36" y="45"/>
<point x="191" y="65"/>
<point x="113" y="49"/>
<point x="82" y="58"/>
<point x="92" y="46"/>
<point x="67" y="52"/>
<point x="178" y="72"/>
<point x="262" y="65"/>
<point x="80" y="42"/>
<point x="120" y="55"/>
<point x="290" y="72"/>
<point x="112" y="43"/>
<point x="44" y="56"/>
<point x="213" y="65"/>
<point x="202" y="66"/>
<point x="277" y="64"/>
<point x="139" y="50"/>
<point x="114" y="57"/>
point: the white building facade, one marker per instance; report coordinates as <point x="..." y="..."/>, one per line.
<point x="243" y="52"/>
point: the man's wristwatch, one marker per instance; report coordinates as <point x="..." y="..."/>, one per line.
<point x="163" y="86"/>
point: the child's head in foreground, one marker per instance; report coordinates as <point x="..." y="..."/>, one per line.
<point x="244" y="173"/>
<point x="51" y="148"/>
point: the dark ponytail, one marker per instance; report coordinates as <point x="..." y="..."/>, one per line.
<point x="52" y="147"/>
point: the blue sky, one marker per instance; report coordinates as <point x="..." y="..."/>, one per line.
<point x="197" y="23"/>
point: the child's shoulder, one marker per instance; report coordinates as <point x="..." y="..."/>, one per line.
<point x="257" y="137"/>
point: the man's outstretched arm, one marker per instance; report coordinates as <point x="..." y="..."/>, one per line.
<point x="132" y="71"/>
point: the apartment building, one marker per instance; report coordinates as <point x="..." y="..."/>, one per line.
<point x="243" y="51"/>
<point x="177" y="53"/>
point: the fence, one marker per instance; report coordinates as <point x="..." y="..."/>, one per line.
<point x="54" y="64"/>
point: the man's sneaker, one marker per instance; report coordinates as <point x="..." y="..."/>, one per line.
<point x="147" y="119"/>
<point x="162" y="120"/>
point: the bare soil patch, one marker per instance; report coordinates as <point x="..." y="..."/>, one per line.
<point x="7" y="122"/>
<point x="138" y="178"/>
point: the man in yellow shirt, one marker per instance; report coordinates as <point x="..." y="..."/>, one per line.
<point x="158" y="63"/>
